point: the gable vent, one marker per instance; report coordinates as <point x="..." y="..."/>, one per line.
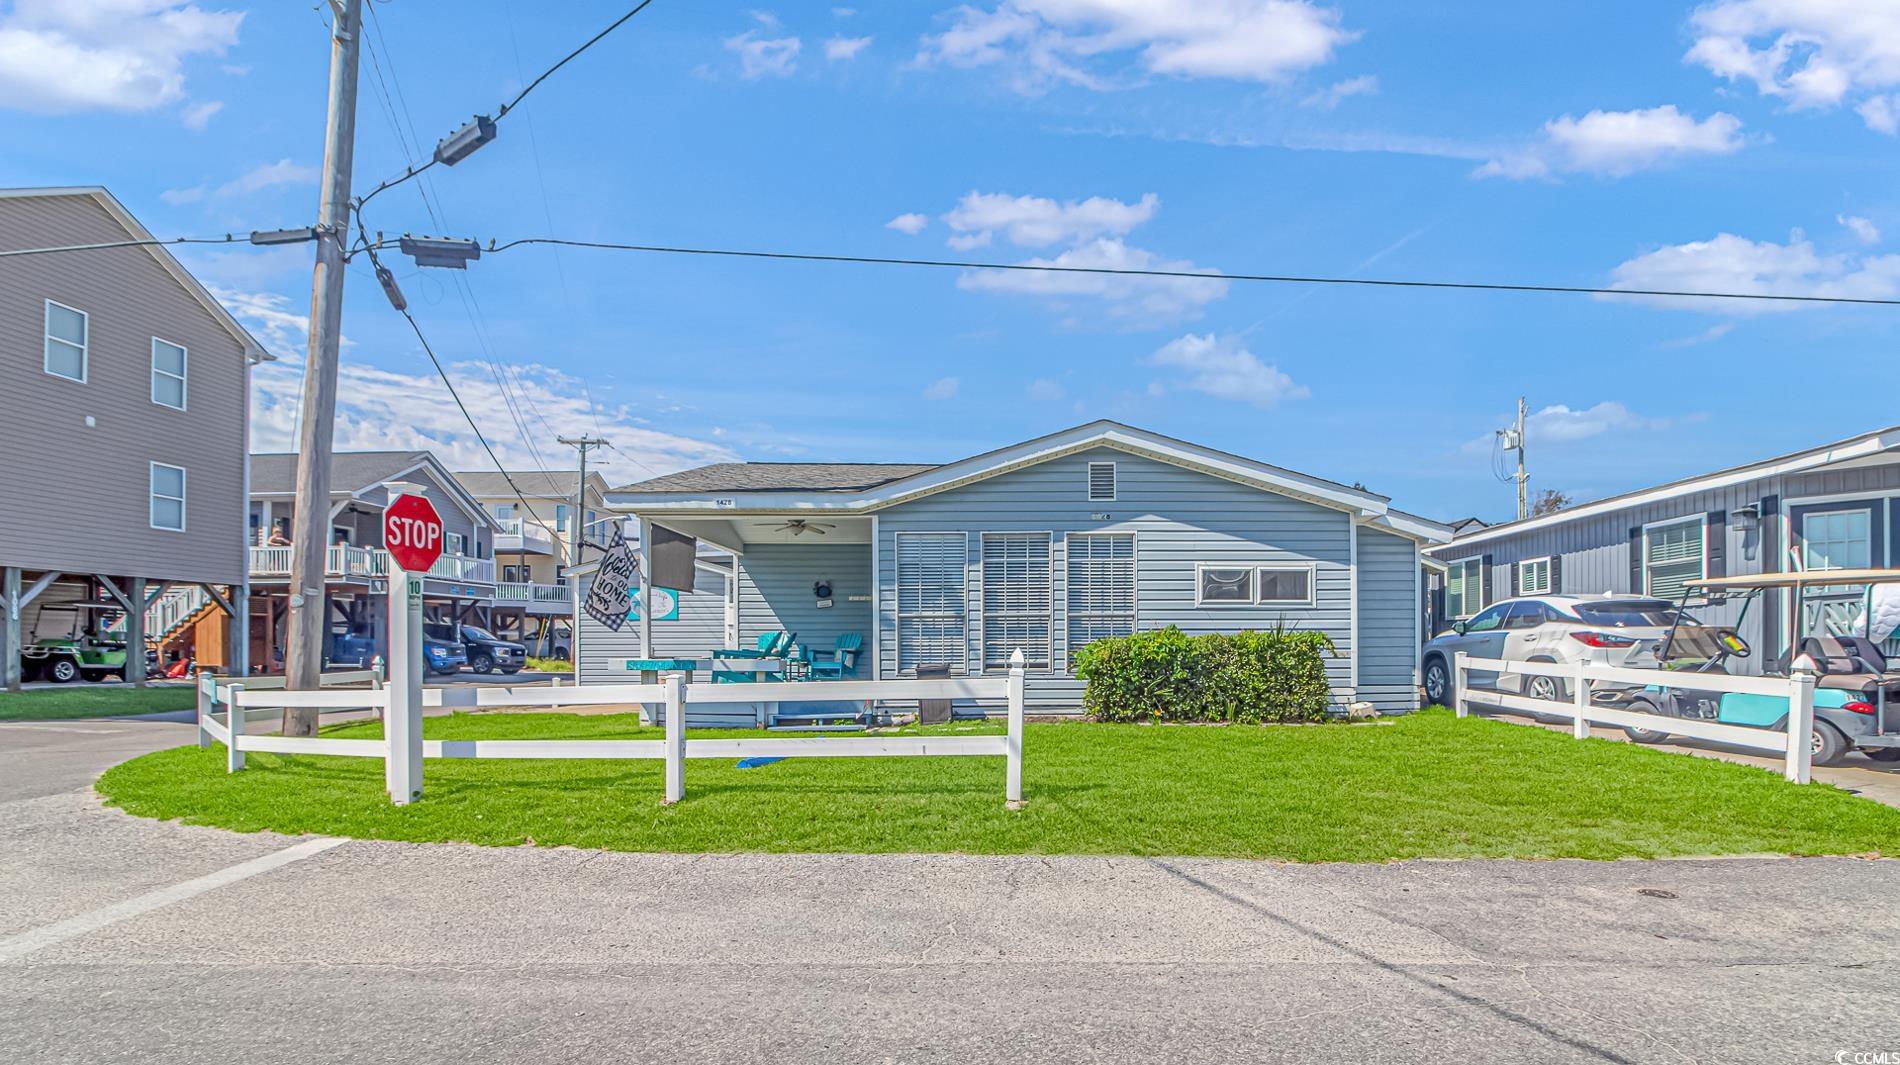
<point x="1101" y="482"/>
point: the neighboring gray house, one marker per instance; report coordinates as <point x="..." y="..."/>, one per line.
<point x="456" y="588"/>
<point x="1043" y="546"/>
<point x="123" y="422"/>
<point x="1832" y="506"/>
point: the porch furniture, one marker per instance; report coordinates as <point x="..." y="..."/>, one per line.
<point x="841" y="661"/>
<point x="769" y="645"/>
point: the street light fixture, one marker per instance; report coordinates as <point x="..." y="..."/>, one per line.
<point x="438" y="251"/>
<point x="461" y="144"/>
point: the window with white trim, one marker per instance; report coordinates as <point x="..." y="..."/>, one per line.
<point x="1101" y="482"/>
<point x="454" y="543"/>
<point x="1223" y="585"/>
<point x="168" y="373"/>
<point x="168" y="497"/>
<point x="560" y="517"/>
<point x="66" y="333"/>
<point x="930" y="600"/>
<point x="1672" y="557"/>
<point x="1284" y="585"/>
<point x="1533" y="576"/>
<point x="1101" y="580"/>
<point x="1016" y="598"/>
<point x="1464" y="591"/>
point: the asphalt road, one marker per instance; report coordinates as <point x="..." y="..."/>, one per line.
<point x="128" y="940"/>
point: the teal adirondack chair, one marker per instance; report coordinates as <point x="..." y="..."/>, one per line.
<point x="842" y="661"/>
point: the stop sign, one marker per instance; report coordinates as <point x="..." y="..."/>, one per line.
<point x="412" y="533"/>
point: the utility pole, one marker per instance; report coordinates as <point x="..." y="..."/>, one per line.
<point x="311" y="532"/>
<point x="1523" y="477"/>
<point x="577" y="526"/>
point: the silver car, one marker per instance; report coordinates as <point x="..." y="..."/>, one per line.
<point x="1549" y="628"/>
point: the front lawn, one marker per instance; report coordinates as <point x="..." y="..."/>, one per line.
<point x="85" y="700"/>
<point x="1425" y="785"/>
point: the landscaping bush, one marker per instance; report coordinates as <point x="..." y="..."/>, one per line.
<point x="1167" y="675"/>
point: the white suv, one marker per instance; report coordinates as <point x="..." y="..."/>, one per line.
<point x="1549" y="628"/>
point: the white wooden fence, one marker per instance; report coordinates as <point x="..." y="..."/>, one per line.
<point x="242" y="702"/>
<point x="1793" y="743"/>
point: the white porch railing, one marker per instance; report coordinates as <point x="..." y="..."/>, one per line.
<point x="343" y="560"/>
<point x="527" y="592"/>
<point x="241" y="702"/>
<point x="1793" y="743"/>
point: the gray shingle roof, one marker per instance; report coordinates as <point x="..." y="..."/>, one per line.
<point x="534" y="484"/>
<point x="350" y="471"/>
<point x="781" y="477"/>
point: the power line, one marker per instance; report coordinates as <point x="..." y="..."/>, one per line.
<point x="874" y="260"/>
<point x="414" y="170"/>
<point x="153" y="243"/>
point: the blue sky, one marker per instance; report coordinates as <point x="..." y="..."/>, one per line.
<point x="1739" y="144"/>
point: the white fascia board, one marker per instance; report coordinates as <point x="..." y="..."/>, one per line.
<point x="1424" y="530"/>
<point x="1859" y="447"/>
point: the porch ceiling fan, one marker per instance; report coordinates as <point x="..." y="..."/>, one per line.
<point x="797" y="526"/>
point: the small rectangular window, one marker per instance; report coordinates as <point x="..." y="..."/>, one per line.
<point x="168" y="497"/>
<point x="1225" y="584"/>
<point x="560" y="517"/>
<point x="1286" y="585"/>
<point x="66" y="332"/>
<point x="1101" y="482"/>
<point x="1464" y="595"/>
<point x="1672" y="557"/>
<point x="168" y="374"/>
<point x="454" y="543"/>
<point x="1533" y="576"/>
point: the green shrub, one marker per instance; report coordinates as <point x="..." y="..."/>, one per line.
<point x="1167" y="675"/>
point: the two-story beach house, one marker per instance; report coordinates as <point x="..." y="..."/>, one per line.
<point x="124" y="408"/>
<point x="537" y="529"/>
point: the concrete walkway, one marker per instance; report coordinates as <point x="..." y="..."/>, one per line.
<point x="123" y="939"/>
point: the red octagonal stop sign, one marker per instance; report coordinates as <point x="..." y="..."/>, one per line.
<point x="412" y="532"/>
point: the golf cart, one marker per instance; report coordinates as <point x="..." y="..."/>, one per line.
<point x="65" y="648"/>
<point x="1854" y="687"/>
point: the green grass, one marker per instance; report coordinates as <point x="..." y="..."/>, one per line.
<point x="84" y="700"/>
<point x="1426" y="785"/>
<point x="549" y="665"/>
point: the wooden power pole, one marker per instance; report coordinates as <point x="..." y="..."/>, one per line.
<point x="311" y="524"/>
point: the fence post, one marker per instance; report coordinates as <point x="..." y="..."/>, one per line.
<point x="1458" y="683"/>
<point x="1581" y="701"/>
<point x="207" y="683"/>
<point x="402" y="720"/>
<point x="234" y="726"/>
<point x="675" y="737"/>
<point x="1013" y="746"/>
<point x="1800" y="725"/>
<point x="376" y="684"/>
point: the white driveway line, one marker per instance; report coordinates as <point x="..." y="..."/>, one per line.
<point x="26" y="943"/>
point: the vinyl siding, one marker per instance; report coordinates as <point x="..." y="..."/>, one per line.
<point x="1179" y="517"/>
<point x="76" y="496"/>
<point x="701" y="628"/>
<point x="1593" y="552"/>
<point x="775" y="593"/>
<point x="1388" y="621"/>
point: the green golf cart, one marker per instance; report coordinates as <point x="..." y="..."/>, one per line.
<point x="65" y="648"/>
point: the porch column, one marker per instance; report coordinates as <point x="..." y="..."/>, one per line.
<point x="10" y="640"/>
<point x="646" y="590"/>
<point x="135" y="633"/>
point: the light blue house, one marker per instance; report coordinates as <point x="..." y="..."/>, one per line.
<point x="1042" y="546"/>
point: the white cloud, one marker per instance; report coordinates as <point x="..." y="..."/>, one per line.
<point x="1221" y="366"/>
<point x="268" y="176"/>
<point x="1046" y="390"/>
<point x="271" y="318"/>
<point x="943" y="388"/>
<point x="839" y="48"/>
<point x="1146" y="299"/>
<point x="198" y="116"/>
<point x="1864" y="230"/>
<point x="1037" y="222"/>
<point x="1560" y="424"/>
<point x="765" y="57"/>
<point x="1707" y="336"/>
<point x="1729" y="263"/>
<point x="912" y="223"/>
<point x="1811" y="53"/>
<point x="1881" y="113"/>
<point x="1618" y="143"/>
<point x="1328" y="98"/>
<point x="60" y="56"/>
<point x="1063" y="40"/>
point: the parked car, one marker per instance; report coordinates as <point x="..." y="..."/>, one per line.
<point x="488" y="652"/>
<point x="1610" y="631"/>
<point x="63" y="650"/>
<point x="441" y="653"/>
<point x="352" y="646"/>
